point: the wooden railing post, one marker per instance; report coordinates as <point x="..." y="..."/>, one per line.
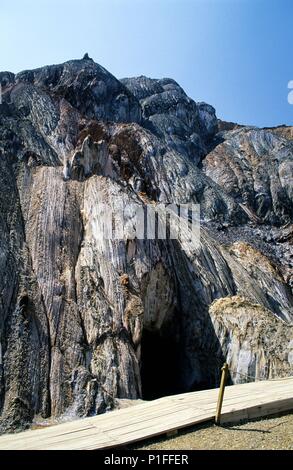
<point x="221" y="392"/>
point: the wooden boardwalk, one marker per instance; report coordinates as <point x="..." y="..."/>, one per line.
<point x="121" y="427"/>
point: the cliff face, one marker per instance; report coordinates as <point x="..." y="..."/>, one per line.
<point x="85" y="319"/>
<point x="256" y="344"/>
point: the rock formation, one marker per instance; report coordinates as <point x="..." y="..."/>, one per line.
<point x="256" y="344"/>
<point x="86" y="319"/>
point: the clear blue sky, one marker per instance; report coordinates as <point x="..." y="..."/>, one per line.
<point x="233" y="54"/>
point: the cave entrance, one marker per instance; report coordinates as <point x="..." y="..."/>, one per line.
<point x="160" y="366"/>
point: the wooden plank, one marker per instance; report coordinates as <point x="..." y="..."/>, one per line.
<point x="258" y="411"/>
<point x="165" y="415"/>
<point x="101" y="426"/>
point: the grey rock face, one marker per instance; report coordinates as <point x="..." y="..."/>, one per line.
<point x="255" y="167"/>
<point x="207" y="119"/>
<point x="88" y="87"/>
<point x="86" y="320"/>
<point x="6" y="78"/>
<point x="185" y="126"/>
<point x="257" y="345"/>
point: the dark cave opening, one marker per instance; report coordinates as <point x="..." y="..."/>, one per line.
<point x="160" y="366"/>
<point x="165" y="368"/>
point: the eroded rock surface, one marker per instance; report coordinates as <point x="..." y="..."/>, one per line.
<point x="86" y="320"/>
<point x="257" y="345"/>
<point x="184" y="125"/>
<point x="255" y="167"/>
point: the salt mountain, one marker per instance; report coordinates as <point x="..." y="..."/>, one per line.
<point x="85" y="320"/>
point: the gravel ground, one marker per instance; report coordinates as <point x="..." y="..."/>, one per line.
<point x="266" y="433"/>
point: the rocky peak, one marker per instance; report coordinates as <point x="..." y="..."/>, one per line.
<point x="184" y="125"/>
<point x="6" y="78"/>
<point x="87" y="86"/>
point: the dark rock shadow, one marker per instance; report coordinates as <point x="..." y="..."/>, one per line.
<point x="185" y="354"/>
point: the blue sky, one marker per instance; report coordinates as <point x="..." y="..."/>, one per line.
<point x="233" y="54"/>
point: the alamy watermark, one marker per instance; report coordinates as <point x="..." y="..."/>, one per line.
<point x="290" y="94"/>
<point x="146" y="222"/>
